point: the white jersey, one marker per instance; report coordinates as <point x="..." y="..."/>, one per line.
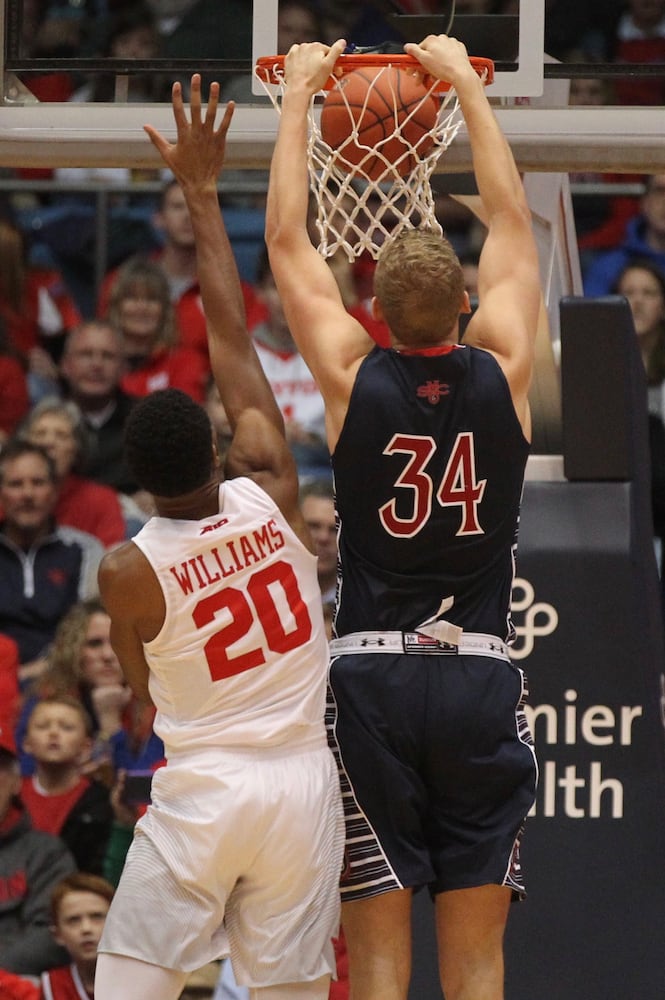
<point x="242" y="657"/>
<point x="293" y="385"/>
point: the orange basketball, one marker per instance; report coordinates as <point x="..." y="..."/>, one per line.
<point x="378" y="101"/>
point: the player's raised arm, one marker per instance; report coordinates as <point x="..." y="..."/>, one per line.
<point x="508" y="281"/>
<point x="330" y="341"/>
<point x="259" y="445"/>
<point x="196" y="160"/>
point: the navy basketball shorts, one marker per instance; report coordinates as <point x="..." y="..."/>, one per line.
<point x="437" y="769"/>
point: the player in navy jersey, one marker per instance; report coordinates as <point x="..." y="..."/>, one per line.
<point x="429" y="441"/>
<point x="216" y="615"/>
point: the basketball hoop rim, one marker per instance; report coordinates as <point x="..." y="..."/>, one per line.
<point x="270" y="69"/>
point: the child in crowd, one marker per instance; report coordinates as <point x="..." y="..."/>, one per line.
<point x="79" y="905"/>
<point x="59" y="798"/>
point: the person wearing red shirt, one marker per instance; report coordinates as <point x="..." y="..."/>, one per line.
<point x="57" y="425"/>
<point x="59" y="797"/>
<point x="177" y="257"/>
<point x="140" y="308"/>
<point x="79" y="904"/>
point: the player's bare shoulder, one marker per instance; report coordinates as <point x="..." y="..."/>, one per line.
<point x="126" y="578"/>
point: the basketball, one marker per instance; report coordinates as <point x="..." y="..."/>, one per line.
<point x="378" y="103"/>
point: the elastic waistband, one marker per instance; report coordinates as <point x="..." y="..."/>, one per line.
<point x="470" y="644"/>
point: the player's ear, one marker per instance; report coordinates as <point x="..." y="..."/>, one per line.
<point x="466" y="303"/>
<point x="376" y="310"/>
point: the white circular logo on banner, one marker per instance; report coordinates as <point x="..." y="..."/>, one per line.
<point x="539" y="619"/>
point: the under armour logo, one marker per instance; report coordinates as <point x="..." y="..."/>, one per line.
<point x="540" y="619"/>
<point x="372" y="642"/>
<point x="433" y="391"/>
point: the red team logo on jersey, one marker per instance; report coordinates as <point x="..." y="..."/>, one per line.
<point x="214" y="527"/>
<point x="433" y="391"/>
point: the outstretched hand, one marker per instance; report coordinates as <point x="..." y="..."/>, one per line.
<point x="197" y="156"/>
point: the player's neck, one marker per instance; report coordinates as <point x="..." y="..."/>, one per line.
<point x="200" y="503"/>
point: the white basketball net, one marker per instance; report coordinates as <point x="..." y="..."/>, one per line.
<point x="357" y="212"/>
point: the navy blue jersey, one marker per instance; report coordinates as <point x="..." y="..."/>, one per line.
<point x="428" y="473"/>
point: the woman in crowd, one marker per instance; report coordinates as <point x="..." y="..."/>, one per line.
<point x="140" y="308"/>
<point x="82" y="663"/>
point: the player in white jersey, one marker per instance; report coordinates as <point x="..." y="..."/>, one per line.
<point x="217" y="617"/>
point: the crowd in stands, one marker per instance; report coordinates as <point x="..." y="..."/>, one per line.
<point x="72" y="737"/>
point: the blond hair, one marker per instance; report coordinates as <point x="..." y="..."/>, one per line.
<point x="419" y="284"/>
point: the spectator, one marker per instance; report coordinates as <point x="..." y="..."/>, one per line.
<point x="644" y="238"/>
<point x="82" y="664"/>
<point x="295" y="390"/>
<point x="59" y="797"/>
<point x="45" y="567"/>
<point x="79" y="904"/>
<point x="140" y="308"/>
<point x="91" y="371"/>
<point x="129" y="32"/>
<point x="35" y="307"/>
<point x="31" y="864"/>
<point x="57" y="426"/>
<point x="318" y="508"/>
<point x="177" y="257"/>
<point x="643" y="284"/>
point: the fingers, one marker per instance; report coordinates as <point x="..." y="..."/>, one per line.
<point x="178" y="105"/>
<point x="195" y="99"/>
<point x="188" y="128"/>
<point x="157" y="139"/>
<point x="226" y="120"/>
<point x="213" y="101"/>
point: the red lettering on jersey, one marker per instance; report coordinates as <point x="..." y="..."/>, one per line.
<point x="275" y="534"/>
<point x="234" y="555"/>
<point x="201" y="581"/>
<point x="182" y="576"/>
<point x="249" y="554"/>
<point x="209" y="578"/>
<point x="213" y="527"/>
<point x="225" y="570"/>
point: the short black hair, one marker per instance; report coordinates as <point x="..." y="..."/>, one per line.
<point x="168" y="443"/>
